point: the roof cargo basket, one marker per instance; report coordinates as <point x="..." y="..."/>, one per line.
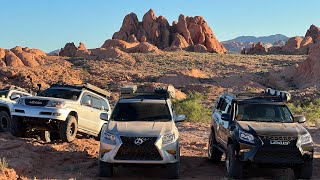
<point x="12" y="87"/>
<point x="131" y="91"/>
<point x="87" y="86"/>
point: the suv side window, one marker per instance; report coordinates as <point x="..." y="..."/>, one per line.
<point x="223" y="105"/>
<point x="104" y="105"/>
<point x="86" y="98"/>
<point x="96" y="103"/>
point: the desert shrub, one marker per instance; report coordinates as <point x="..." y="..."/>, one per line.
<point x="3" y="164"/>
<point x="308" y="108"/>
<point x="193" y="107"/>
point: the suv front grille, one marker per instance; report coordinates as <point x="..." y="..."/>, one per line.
<point x="273" y="152"/>
<point x="131" y="149"/>
<point x="36" y="102"/>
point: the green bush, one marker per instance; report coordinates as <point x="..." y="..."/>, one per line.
<point x="308" y="108"/>
<point x="193" y="107"/>
<point x="3" y="164"/>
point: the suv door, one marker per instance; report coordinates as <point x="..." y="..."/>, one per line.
<point x="95" y="118"/>
<point x="85" y="112"/>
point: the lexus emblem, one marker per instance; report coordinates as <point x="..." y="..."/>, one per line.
<point x="139" y="141"/>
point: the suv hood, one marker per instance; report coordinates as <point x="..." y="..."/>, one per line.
<point x="48" y="98"/>
<point x="140" y="128"/>
<point x="273" y="128"/>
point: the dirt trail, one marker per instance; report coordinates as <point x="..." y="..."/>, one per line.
<point x="31" y="158"/>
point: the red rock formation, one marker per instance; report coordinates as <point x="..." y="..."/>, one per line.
<point x="255" y="49"/>
<point x="157" y="31"/>
<point x="200" y="48"/>
<point x="123" y="45"/>
<point x="143" y="47"/>
<point x="292" y="45"/>
<point x="308" y="72"/>
<point x="12" y="59"/>
<point x="69" y="50"/>
<point x="313" y="32"/>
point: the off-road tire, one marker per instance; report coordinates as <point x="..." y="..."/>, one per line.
<point x="105" y="169"/>
<point x="68" y="129"/>
<point x="214" y="154"/>
<point x="234" y="168"/>
<point x="18" y="128"/>
<point x="304" y="171"/>
<point x="5" y="121"/>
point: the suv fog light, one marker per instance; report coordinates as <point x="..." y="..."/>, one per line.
<point x="244" y="150"/>
<point x="173" y="152"/>
<point x="104" y="151"/>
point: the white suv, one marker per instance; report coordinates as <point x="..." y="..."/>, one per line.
<point x="61" y="110"/>
<point x="142" y="130"/>
<point x="8" y="97"/>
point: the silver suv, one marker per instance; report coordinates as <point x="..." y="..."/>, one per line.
<point x="8" y="97"/>
<point x="61" y="111"/>
<point x="142" y="130"/>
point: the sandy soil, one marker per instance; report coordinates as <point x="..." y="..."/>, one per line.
<point x="33" y="159"/>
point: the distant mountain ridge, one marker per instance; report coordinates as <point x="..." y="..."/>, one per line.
<point x="265" y="39"/>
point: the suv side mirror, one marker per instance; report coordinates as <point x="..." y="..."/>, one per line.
<point x="15" y="97"/>
<point x="86" y="102"/>
<point x="179" y="118"/>
<point x="300" y="119"/>
<point x="104" y="116"/>
<point x="225" y="117"/>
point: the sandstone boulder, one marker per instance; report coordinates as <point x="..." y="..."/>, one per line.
<point x="130" y="25"/>
<point x="69" y="50"/>
<point x="12" y="59"/>
<point x="35" y="52"/>
<point x="305" y="45"/>
<point x="143" y="47"/>
<point x="308" y="72"/>
<point x="313" y="32"/>
<point x="132" y="39"/>
<point x="2" y="57"/>
<point x="200" y="48"/>
<point x="180" y="41"/>
<point x="143" y="39"/>
<point x="122" y="45"/>
<point x="258" y="48"/>
<point x="292" y="45"/>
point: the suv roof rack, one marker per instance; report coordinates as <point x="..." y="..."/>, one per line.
<point x="159" y="92"/>
<point x="268" y="94"/>
<point x="86" y="86"/>
<point x="12" y="87"/>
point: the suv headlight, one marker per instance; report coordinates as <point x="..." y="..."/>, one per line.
<point x="244" y="136"/>
<point x="20" y="101"/>
<point x="56" y="104"/>
<point x="110" y="137"/>
<point x="168" y="138"/>
<point x="305" y="139"/>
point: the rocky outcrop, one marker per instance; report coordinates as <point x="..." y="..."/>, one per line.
<point x="69" y="50"/>
<point x="123" y="45"/>
<point x="143" y="47"/>
<point x="299" y="45"/>
<point x="308" y="72"/>
<point x="255" y="49"/>
<point x="157" y="31"/>
<point x="200" y="48"/>
<point x="21" y="56"/>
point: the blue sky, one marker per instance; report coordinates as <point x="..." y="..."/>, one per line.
<point x="48" y="25"/>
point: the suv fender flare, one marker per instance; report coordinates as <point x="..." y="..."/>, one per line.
<point x="233" y="140"/>
<point x="74" y="113"/>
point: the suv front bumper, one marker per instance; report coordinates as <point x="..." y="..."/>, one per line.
<point x="40" y="112"/>
<point x="275" y="155"/>
<point x="168" y="153"/>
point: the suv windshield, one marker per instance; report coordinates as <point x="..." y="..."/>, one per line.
<point x="141" y="111"/>
<point x="72" y="94"/>
<point x="4" y="93"/>
<point x="264" y="113"/>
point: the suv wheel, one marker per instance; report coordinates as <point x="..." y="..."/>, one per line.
<point x="105" y="169"/>
<point x="214" y="154"/>
<point x="304" y="171"/>
<point x="17" y="127"/>
<point x="4" y="121"/>
<point x="69" y="129"/>
<point x="234" y="166"/>
<point x="174" y="168"/>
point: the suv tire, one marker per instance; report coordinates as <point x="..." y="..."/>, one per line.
<point x="105" y="169"/>
<point x="4" y="121"/>
<point x="214" y="154"/>
<point x="174" y="170"/>
<point x="304" y="171"/>
<point x="234" y="166"/>
<point x="17" y="127"/>
<point x="68" y="129"/>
